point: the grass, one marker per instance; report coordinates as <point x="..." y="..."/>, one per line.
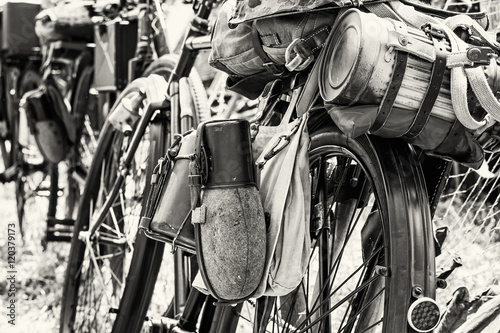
<point x="474" y="236"/>
<point x="39" y="276"/>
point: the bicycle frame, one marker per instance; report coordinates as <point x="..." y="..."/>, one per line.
<point x="191" y="300"/>
<point x="197" y="39"/>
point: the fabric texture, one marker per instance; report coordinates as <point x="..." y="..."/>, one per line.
<point x="234" y="48"/>
<point x="246" y="10"/>
<point x="285" y="193"/>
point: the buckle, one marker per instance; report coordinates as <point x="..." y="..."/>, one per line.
<point x="479" y="55"/>
<point x="433" y="31"/>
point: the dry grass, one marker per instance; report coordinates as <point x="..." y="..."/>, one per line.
<point x="473" y="236"/>
<point x="39" y="276"/>
<point x="471" y="210"/>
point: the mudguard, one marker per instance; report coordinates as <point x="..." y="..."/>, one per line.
<point x="49" y="122"/>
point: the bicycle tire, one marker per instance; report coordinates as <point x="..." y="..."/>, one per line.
<point x="84" y="113"/>
<point x="32" y="171"/>
<point x="385" y="260"/>
<point x="147" y="255"/>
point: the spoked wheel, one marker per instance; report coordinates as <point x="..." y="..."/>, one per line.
<point x="98" y="264"/>
<point x="112" y="269"/>
<point x="368" y="208"/>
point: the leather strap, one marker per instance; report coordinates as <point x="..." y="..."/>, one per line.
<point x="437" y="76"/>
<point x="449" y="144"/>
<point x="269" y="65"/>
<point x="392" y="91"/>
<point x="312" y="42"/>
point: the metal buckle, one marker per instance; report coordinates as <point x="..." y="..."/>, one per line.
<point x="433" y="31"/>
<point x="479" y="55"/>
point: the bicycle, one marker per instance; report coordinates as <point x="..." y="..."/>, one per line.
<point x="387" y="204"/>
<point x="119" y="177"/>
<point x="55" y="128"/>
<point x="19" y="74"/>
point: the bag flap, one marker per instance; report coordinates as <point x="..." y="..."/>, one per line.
<point x="246" y="10"/>
<point x="285" y="195"/>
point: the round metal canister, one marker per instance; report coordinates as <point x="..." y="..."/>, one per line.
<point x="358" y="65"/>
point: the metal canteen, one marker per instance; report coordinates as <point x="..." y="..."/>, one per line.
<point x="359" y="63"/>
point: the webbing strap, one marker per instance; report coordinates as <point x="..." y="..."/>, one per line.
<point x="269" y="65"/>
<point x="460" y="76"/>
<point x="432" y="92"/>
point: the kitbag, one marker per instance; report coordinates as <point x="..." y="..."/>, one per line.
<point x="286" y="196"/>
<point x="66" y="21"/>
<point x="247" y="10"/>
<point x="49" y="122"/>
<point x="254" y="53"/>
<point x="415" y="80"/>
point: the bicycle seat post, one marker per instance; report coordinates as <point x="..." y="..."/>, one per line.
<point x="199" y="27"/>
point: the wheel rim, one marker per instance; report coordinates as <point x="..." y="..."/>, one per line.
<point x="107" y="255"/>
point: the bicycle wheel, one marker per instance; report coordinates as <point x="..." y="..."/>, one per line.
<point x="31" y="182"/>
<point x="110" y="278"/>
<point x="68" y="177"/>
<point x="85" y="114"/>
<point x="371" y="254"/>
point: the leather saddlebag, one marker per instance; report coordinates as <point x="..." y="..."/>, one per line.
<point x="168" y="216"/>
<point x="45" y="109"/>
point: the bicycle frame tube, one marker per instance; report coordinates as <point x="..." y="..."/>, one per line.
<point x="129" y="155"/>
<point x="194" y="42"/>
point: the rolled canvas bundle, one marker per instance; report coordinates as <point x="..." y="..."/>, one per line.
<point x="382" y="76"/>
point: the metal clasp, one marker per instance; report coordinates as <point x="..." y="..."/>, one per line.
<point x="479" y="55"/>
<point x="433" y="31"/>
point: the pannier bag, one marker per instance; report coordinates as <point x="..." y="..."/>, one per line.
<point x="18" y="27"/>
<point x="246" y="10"/>
<point x="49" y="122"/>
<point x="254" y="53"/>
<point x="65" y="21"/>
<point x="286" y="196"/>
<point x="228" y="217"/>
<point x="169" y="203"/>
<point x="385" y="77"/>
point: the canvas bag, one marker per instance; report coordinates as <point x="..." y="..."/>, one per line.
<point x="247" y="10"/>
<point x="65" y="21"/>
<point x="254" y="53"/>
<point x="286" y="197"/>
